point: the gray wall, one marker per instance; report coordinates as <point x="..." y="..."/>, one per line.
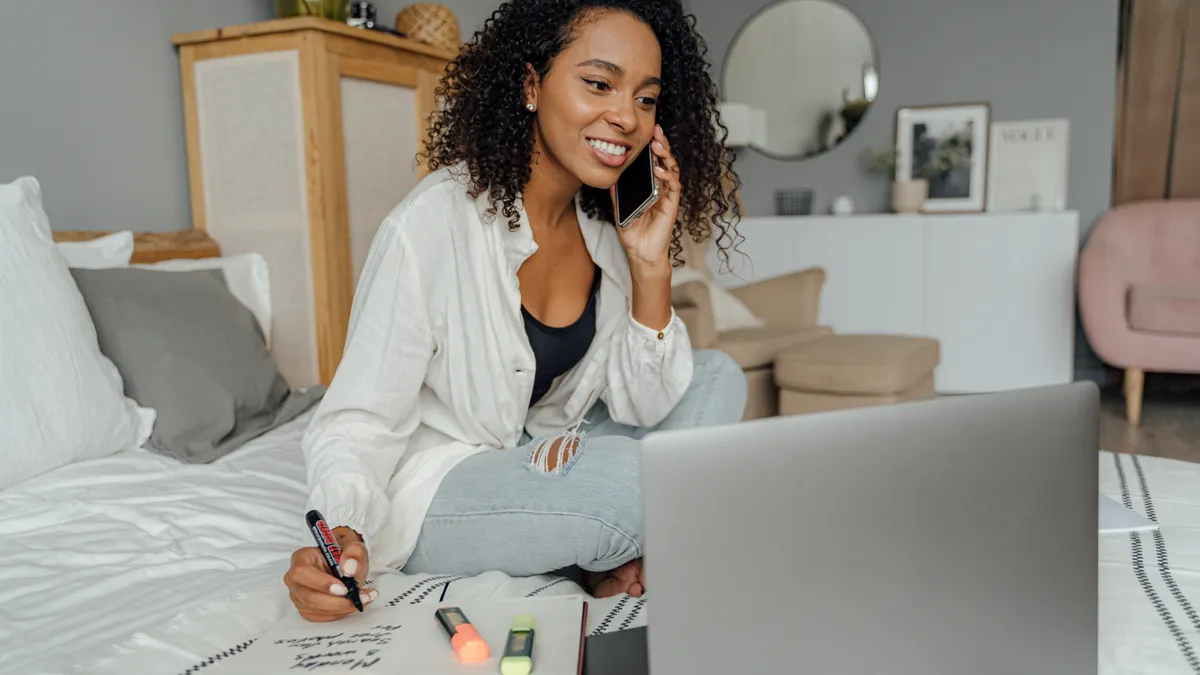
<point x="1028" y="58"/>
<point x="90" y="103"/>
<point x="94" y="110"/>
<point x="91" y="106"/>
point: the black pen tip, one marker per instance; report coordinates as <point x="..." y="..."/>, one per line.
<point x="354" y="593"/>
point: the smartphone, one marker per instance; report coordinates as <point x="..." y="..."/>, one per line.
<point x="637" y="188"/>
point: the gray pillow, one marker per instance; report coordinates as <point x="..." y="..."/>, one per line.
<point x="186" y="347"/>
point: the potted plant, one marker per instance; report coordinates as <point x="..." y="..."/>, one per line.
<point x="936" y="165"/>
<point x="908" y="196"/>
<point x="325" y="9"/>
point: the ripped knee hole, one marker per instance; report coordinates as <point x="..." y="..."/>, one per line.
<point x="555" y="455"/>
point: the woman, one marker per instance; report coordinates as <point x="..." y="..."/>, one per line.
<point x="509" y="344"/>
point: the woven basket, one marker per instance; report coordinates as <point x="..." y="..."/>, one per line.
<point x="430" y="23"/>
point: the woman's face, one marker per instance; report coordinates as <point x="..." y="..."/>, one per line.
<point x="596" y="106"/>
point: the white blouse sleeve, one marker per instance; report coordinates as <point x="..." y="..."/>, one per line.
<point x="361" y="429"/>
<point x="648" y="371"/>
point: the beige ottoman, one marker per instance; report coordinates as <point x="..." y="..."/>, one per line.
<point x="851" y="371"/>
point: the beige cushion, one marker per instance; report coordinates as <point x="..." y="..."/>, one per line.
<point x="793" y="402"/>
<point x="1158" y="309"/>
<point x="762" y="396"/>
<point x="857" y="364"/>
<point x="757" y="347"/>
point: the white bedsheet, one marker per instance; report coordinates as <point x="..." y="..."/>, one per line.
<point x="1150" y="582"/>
<point x="101" y="549"/>
<point x="137" y="564"/>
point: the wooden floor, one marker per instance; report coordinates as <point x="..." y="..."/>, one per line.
<point x="1170" y="419"/>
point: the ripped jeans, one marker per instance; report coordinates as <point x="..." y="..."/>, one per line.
<point x="498" y="511"/>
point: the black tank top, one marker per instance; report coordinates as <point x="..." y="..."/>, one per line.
<point x="557" y="350"/>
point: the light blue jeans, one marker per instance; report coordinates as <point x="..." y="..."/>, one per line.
<point x="495" y="512"/>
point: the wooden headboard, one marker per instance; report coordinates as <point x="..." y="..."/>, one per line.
<point x="152" y="247"/>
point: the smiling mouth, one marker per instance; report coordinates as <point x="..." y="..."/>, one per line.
<point x="613" y="149"/>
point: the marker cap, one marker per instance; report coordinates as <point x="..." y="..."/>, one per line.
<point x="469" y="644"/>
<point x="516" y="665"/>
<point x="523" y="622"/>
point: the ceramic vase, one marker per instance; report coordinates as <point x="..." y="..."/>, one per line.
<point x="908" y="196"/>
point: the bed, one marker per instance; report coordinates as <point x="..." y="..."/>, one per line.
<point x="135" y="561"/>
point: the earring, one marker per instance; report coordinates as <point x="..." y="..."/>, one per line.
<point x="530" y="106"/>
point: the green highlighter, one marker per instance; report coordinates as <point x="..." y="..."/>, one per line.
<point x="518" y="651"/>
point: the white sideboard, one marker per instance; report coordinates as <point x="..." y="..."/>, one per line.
<point x="996" y="289"/>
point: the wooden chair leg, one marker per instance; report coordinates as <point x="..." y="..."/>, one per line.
<point x="1134" y="381"/>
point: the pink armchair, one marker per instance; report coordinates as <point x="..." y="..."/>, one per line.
<point x="1139" y="291"/>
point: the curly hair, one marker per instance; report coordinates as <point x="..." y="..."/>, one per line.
<point x="479" y="125"/>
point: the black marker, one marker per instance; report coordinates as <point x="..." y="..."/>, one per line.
<point x="333" y="554"/>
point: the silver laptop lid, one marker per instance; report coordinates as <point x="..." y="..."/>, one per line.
<point x="944" y="537"/>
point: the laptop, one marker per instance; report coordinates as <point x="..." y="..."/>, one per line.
<point x="951" y="536"/>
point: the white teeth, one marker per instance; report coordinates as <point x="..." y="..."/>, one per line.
<point x="607" y="148"/>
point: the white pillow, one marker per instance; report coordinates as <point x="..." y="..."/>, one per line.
<point x="112" y="250"/>
<point x="729" y="313"/>
<point x="61" y="400"/>
<point x="246" y="275"/>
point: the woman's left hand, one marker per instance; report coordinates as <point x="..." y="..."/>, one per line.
<point x="647" y="240"/>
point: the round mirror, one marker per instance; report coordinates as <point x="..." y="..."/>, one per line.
<point x="799" y="76"/>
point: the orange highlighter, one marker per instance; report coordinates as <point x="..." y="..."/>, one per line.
<point x="465" y="640"/>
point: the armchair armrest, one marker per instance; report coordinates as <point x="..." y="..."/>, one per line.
<point x="1103" y="293"/>
<point x="693" y="306"/>
<point x="787" y="300"/>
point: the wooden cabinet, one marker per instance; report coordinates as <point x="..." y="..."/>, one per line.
<point x="301" y="135"/>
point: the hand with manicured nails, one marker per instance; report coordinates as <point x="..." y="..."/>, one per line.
<point x="316" y="593"/>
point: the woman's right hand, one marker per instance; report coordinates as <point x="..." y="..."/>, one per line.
<point x="316" y="593"/>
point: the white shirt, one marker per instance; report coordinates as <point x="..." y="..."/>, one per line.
<point x="437" y="366"/>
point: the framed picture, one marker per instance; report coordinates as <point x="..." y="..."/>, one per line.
<point x="1028" y="165"/>
<point x="946" y="145"/>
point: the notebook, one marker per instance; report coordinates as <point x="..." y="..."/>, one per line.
<point x="408" y="640"/>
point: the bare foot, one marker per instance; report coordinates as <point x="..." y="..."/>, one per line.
<point x="628" y="578"/>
